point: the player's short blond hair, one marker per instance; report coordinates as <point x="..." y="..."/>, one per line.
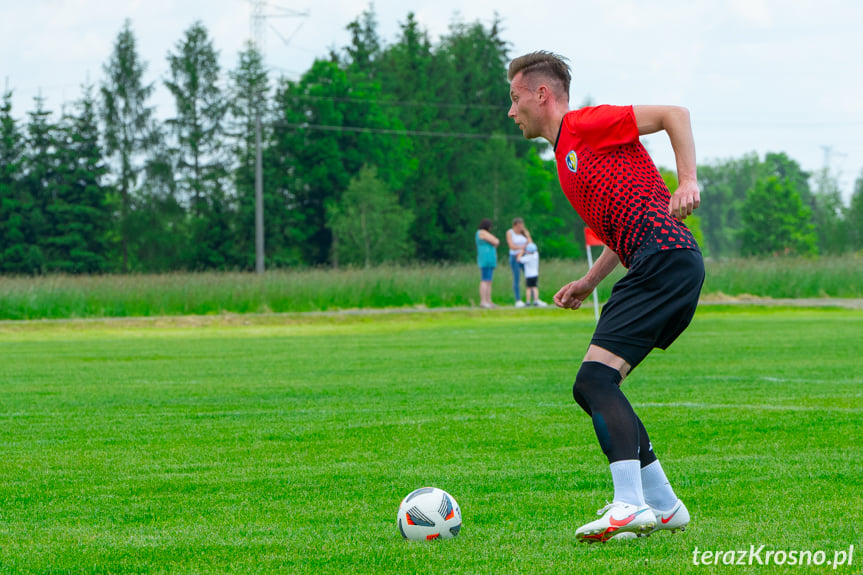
<point x="542" y="65"/>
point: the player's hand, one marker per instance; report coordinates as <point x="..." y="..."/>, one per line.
<point x="572" y="294"/>
<point x="684" y="200"/>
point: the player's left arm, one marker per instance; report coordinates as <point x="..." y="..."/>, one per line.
<point x="675" y="121"/>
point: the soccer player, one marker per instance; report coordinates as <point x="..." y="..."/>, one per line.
<point x="615" y="187"/>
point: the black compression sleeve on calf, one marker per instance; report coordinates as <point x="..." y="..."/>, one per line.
<point x="614" y="421"/>
<point x="645" y="448"/>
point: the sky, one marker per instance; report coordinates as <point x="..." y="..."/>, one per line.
<point x="757" y="75"/>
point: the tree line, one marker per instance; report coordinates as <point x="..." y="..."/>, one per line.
<point x="377" y="153"/>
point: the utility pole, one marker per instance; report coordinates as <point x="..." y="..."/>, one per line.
<point x="258" y="33"/>
<point x="259" y="198"/>
<point x="258" y="38"/>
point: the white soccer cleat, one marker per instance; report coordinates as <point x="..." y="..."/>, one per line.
<point x="675" y="519"/>
<point x="617" y="518"/>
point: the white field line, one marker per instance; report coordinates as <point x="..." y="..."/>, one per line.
<point x="694" y="405"/>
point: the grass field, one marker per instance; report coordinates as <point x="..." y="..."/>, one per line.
<point x="285" y="445"/>
<point x="429" y="286"/>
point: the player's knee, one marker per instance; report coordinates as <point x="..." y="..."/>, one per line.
<point x="581" y="401"/>
<point x="593" y="376"/>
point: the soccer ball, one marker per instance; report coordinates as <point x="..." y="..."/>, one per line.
<point x="429" y="513"/>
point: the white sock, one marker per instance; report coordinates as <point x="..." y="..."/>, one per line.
<point x="626" y="476"/>
<point x="657" y="489"/>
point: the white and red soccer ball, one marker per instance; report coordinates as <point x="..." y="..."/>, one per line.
<point x="429" y="513"/>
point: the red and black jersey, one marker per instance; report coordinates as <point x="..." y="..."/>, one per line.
<point x="613" y="184"/>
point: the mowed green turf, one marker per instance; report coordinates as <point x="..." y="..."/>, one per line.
<point x="286" y="446"/>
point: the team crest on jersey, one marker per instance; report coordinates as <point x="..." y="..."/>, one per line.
<point x="572" y="161"/>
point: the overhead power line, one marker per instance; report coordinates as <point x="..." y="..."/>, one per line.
<point x="423" y="133"/>
<point x="398" y="102"/>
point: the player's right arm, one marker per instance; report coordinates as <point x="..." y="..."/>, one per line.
<point x="572" y="294"/>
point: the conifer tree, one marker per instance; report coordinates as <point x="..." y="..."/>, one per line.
<point x="79" y="210"/>
<point x="129" y="125"/>
<point x="15" y="201"/>
<point x="198" y="130"/>
<point x="200" y="108"/>
<point x="40" y="172"/>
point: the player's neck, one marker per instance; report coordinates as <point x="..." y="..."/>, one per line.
<point x="553" y="125"/>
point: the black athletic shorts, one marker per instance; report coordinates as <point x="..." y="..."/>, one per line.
<point x="651" y="305"/>
<point x="531" y="282"/>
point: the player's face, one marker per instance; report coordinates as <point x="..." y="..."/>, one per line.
<point x="524" y="107"/>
